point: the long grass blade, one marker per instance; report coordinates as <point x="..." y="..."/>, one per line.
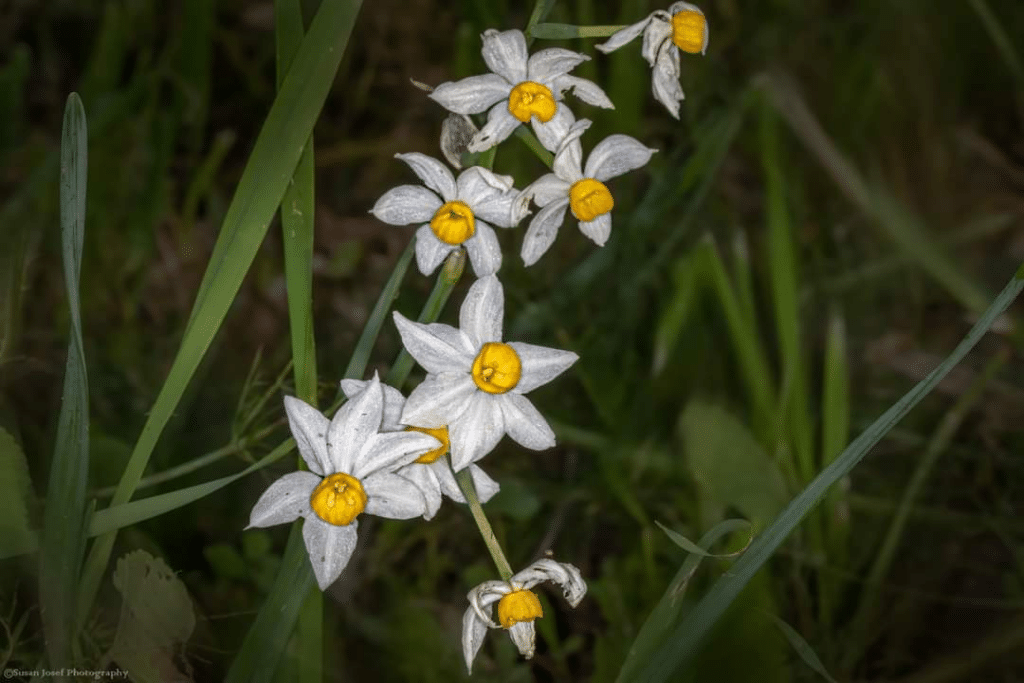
<point x="692" y="629"/>
<point x="63" y="537"/>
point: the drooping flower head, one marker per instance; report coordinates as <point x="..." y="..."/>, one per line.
<point x="521" y="89"/>
<point x="475" y="382"/>
<point x="429" y="472"/>
<point x="518" y="606"/>
<point x="578" y="188"/>
<point x="682" y="27"/>
<point x="351" y="472"/>
<point x="454" y="213"/>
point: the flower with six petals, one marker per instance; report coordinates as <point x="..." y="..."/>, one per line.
<point x="475" y="383"/>
<point x="518" y="606"/>
<point x="682" y="27"/>
<point x="351" y="471"/>
<point x="520" y="89"/>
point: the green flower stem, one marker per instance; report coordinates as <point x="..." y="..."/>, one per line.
<point x="465" y="480"/>
<point x="571" y="31"/>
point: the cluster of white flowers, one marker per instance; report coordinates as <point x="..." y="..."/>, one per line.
<point x="395" y="457"/>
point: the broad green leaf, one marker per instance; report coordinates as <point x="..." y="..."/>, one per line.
<point x="62" y="541"/>
<point x="156" y="619"/>
<point x="15" y="495"/>
<point x="695" y="626"/>
<point x="729" y="466"/>
<point x="265" y="178"/>
<point x="803" y="649"/>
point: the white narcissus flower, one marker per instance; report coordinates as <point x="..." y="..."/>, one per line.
<point x="453" y="212"/>
<point x="476" y="383"/>
<point x="682" y="27"/>
<point x="432" y="475"/>
<point x="518" y="606"/>
<point x="579" y="188"/>
<point x="521" y="89"/>
<point x="351" y="471"/>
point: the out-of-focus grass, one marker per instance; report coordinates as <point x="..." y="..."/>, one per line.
<point x="925" y="107"/>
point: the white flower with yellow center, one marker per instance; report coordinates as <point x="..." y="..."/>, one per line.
<point x="431" y="474"/>
<point x="521" y="89"/>
<point x="351" y="471"/>
<point x="454" y="212"/>
<point x="518" y="606"/>
<point x="475" y="383"/>
<point x="682" y="27"/>
<point x="578" y="188"/>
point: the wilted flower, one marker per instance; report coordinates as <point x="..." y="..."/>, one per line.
<point x="682" y="27"/>
<point x="351" y="471"/>
<point x="475" y="382"/>
<point x="456" y="217"/>
<point x="518" y="606"/>
<point x="520" y="90"/>
<point x="431" y="474"/>
<point x="580" y="189"/>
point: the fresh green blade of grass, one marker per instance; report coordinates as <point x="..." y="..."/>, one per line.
<point x="803" y="648"/>
<point x="263" y="184"/>
<point x="744" y="276"/>
<point x="835" y="434"/>
<point x="297" y="225"/>
<point x="1002" y="41"/>
<point x="691" y="630"/>
<point x="685" y="277"/>
<point x="867" y="604"/>
<point x="15" y="496"/>
<point x="62" y="541"/>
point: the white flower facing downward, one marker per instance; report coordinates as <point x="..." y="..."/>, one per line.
<point x="579" y="188"/>
<point x="351" y="471"/>
<point x="431" y="474"/>
<point x="682" y="27"/>
<point x="453" y="212"/>
<point x="518" y="606"/>
<point x="475" y="383"/>
<point x="521" y="89"/>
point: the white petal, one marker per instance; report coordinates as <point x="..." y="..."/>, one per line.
<point x="553" y="132"/>
<point x="285" y="500"/>
<point x="484" y="250"/>
<point x="562" y="573"/>
<point x="471" y="95"/>
<point x="623" y="36"/>
<point x="439" y="400"/>
<point x="406" y="204"/>
<point x="392" y="496"/>
<point x="430" y="251"/>
<point x="497" y="209"/>
<point x="505" y="54"/>
<point x="424" y="477"/>
<point x="442" y="472"/>
<point x="665" y="80"/>
<point x="473" y="632"/>
<point x="457" y="339"/>
<point x="388" y="452"/>
<point x="500" y="124"/>
<point x="598" y="229"/>
<point x="309" y="428"/>
<point x="430" y="351"/>
<point x="542" y="231"/>
<point x="657" y="37"/>
<point x="543" y="191"/>
<point x="477" y="184"/>
<point x="486" y="488"/>
<point x="585" y="90"/>
<point x="393" y="402"/>
<point x="524" y="636"/>
<point x="432" y="172"/>
<point x="476" y="431"/>
<point x="353" y="425"/>
<point x="540" y="365"/>
<point x="568" y="162"/>
<point x="524" y="424"/>
<point x="483" y="311"/>
<point x="615" y="155"/>
<point x="330" y="548"/>
<point x="547" y="65"/>
<point x="483" y="596"/>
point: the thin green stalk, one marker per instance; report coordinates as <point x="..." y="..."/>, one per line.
<point x="465" y="480"/>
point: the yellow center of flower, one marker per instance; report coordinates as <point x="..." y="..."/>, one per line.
<point x="441" y="434"/>
<point x="338" y="499"/>
<point x="497" y="368"/>
<point x="531" y="99"/>
<point x="590" y="198"/>
<point x="688" y="29"/>
<point x="518" y="606"/>
<point x="453" y="223"/>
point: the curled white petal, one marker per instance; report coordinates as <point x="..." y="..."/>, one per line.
<point x="562" y="573"/>
<point x="546" y="189"/>
<point x="584" y="90"/>
<point x="524" y="635"/>
<point x="473" y="632"/>
<point x="665" y="80"/>
<point x="658" y="37"/>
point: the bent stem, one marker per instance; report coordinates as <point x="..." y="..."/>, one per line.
<point x="465" y="480"/>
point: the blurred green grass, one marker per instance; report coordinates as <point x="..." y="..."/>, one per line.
<point x="925" y="106"/>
